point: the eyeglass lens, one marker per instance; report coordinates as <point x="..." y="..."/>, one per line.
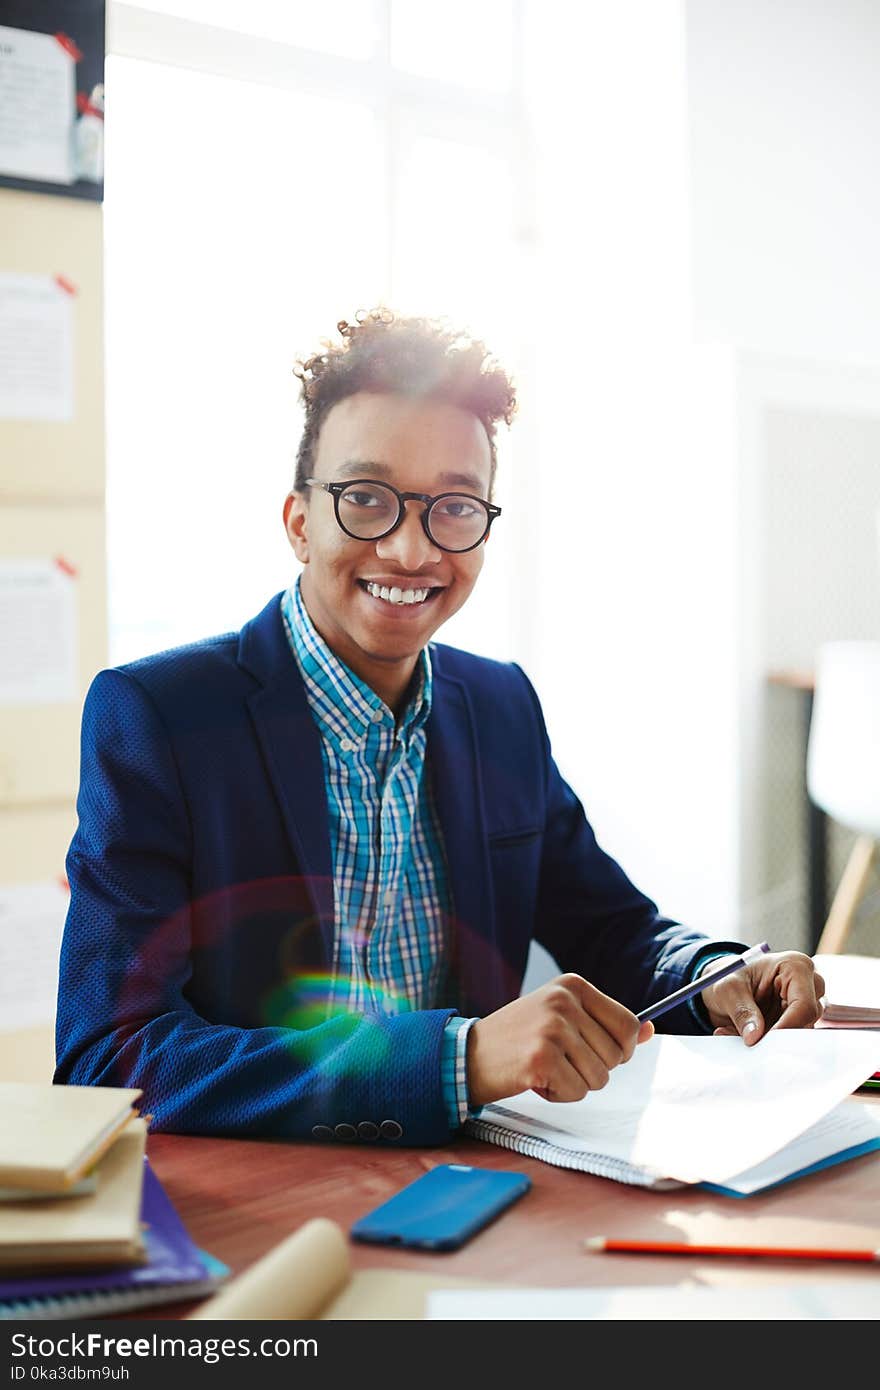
<point x="369" y="510"/>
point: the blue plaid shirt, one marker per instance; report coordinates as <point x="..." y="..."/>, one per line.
<point x="392" y="902"/>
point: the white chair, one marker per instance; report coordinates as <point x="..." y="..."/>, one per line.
<point x="843" y="767"/>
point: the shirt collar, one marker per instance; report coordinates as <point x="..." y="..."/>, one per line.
<point x="339" y="694"/>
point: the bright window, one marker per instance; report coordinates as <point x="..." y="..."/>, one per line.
<point x="243" y="219"/>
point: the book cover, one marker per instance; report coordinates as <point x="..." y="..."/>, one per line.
<point x="98" y="1228"/>
<point x="53" y="1135"/>
<point x="174" y="1271"/>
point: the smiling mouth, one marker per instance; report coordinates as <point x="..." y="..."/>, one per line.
<point x="399" y="597"/>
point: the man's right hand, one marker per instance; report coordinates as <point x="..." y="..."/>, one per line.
<point x="562" y="1040"/>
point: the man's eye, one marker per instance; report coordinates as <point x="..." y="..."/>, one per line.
<point x="363" y="499"/>
<point x="457" y="510"/>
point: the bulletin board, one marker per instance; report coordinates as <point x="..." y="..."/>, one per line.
<point x="52" y="97"/>
<point x="55" y="458"/>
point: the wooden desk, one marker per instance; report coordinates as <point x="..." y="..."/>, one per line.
<point x="240" y="1197"/>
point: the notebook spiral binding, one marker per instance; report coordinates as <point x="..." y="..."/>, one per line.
<point x="87" y="1305"/>
<point x="599" y="1165"/>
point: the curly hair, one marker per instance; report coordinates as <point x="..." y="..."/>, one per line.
<point x="408" y="356"/>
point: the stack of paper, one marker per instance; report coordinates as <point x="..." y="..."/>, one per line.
<point x="852" y="998"/>
<point x="852" y="991"/>
<point x="706" y="1110"/>
<point x="71" y="1176"/>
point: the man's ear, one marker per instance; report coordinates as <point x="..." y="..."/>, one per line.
<point x="296" y="517"/>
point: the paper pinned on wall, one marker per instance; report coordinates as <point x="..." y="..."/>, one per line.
<point x="38" y="632"/>
<point x="36" y="346"/>
<point x="37" y="106"/>
<point x="32" y="919"/>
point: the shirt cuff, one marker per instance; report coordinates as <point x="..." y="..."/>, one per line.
<point x="453" y="1069"/>
<point x="696" y="1005"/>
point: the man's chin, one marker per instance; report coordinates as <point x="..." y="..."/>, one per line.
<point x="394" y="634"/>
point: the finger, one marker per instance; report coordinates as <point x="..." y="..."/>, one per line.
<point x="619" y="1022"/>
<point x="606" y="1048"/>
<point x="800" y="991"/>
<point x="587" y="1062"/>
<point x="746" y="1019"/>
<point x="799" y="1009"/>
<point x="567" y="1082"/>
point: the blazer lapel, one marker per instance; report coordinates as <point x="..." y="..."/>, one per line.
<point x="291" y="748"/>
<point x="455" y="766"/>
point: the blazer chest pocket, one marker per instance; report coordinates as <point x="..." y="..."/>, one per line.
<point x="513" y="839"/>
<point x="515" y="860"/>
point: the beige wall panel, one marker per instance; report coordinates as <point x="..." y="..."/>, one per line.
<point x="39" y="744"/>
<point x="48" y="236"/>
<point x="28" y="1054"/>
<point x="34" y="841"/>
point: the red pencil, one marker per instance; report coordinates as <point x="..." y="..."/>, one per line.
<point x="781" y="1252"/>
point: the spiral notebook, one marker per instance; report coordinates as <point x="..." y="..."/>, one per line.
<point x="175" y="1271"/>
<point x="704" y="1111"/>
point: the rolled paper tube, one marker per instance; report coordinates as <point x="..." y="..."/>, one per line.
<point x="296" y="1279"/>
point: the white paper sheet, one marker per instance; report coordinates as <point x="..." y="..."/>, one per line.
<point x="849" y="1299"/>
<point x="38" y="633"/>
<point x="37" y="107"/>
<point x="31" y="924"/>
<point x="845" y="1127"/>
<point x="704" y="1109"/>
<point x="36" y="347"/>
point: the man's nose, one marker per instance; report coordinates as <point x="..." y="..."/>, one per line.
<point x="409" y="546"/>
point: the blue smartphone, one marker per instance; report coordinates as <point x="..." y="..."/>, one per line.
<point x="443" y="1208"/>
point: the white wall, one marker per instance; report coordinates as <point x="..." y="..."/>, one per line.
<point x="784" y="126"/>
<point x="635" y="653"/>
<point x="708" y="191"/>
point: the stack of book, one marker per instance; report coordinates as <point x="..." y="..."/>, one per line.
<point x="85" y="1226"/>
<point x="852" y="998"/>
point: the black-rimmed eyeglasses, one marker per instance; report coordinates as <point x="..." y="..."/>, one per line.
<point x="368" y="511"/>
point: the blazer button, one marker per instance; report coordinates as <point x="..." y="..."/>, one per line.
<point x="367" y="1130"/>
<point x="390" y="1129"/>
<point x="345" y="1132"/>
<point x="322" y="1132"/>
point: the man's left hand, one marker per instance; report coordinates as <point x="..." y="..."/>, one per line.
<point x="780" y="990"/>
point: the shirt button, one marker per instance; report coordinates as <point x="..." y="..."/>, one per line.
<point x="346" y="745"/>
<point x="390" y="1129"/>
<point x="377" y="716"/>
<point x="368" y="1130"/>
<point x="345" y="1132"/>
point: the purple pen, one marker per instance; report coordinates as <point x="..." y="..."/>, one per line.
<point x="703" y="982"/>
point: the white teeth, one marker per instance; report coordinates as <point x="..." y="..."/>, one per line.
<point x="394" y="594"/>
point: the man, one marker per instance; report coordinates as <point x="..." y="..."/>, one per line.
<point x="312" y="855"/>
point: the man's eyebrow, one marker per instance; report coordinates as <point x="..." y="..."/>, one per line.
<point x="363" y="468"/>
<point x="468" y="480"/>
<point x="359" y="468"/>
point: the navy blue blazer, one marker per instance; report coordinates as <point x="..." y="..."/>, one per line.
<point x="201" y="893"/>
